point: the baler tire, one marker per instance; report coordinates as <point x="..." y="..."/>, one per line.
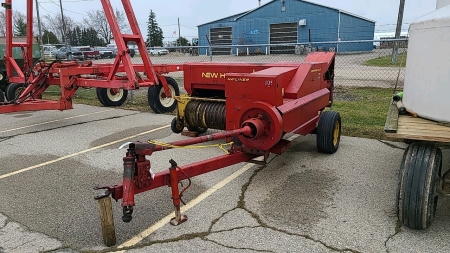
<point x="107" y="221"/>
<point x="417" y="197"/>
<point x="13" y="90"/>
<point x="157" y="93"/>
<point x="2" y="97"/>
<point x="173" y="126"/>
<point x="328" y="132"/>
<point x="103" y="95"/>
<point x="2" y="76"/>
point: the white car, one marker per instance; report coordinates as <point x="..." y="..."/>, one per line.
<point x="158" y="51"/>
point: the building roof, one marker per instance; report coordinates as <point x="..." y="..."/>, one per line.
<point x="238" y="16"/>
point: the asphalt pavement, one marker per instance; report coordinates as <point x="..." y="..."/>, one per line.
<point x="302" y="201"/>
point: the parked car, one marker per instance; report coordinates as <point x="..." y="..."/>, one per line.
<point x="158" y="51"/>
<point x="89" y="52"/>
<point x="106" y="52"/>
<point x="115" y="50"/>
<point x="68" y="53"/>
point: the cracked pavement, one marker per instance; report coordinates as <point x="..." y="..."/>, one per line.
<point x="302" y="201"/>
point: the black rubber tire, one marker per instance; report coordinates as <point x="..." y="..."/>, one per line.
<point x="99" y="97"/>
<point x="13" y="90"/>
<point x="417" y="196"/>
<point x="173" y="126"/>
<point x="2" y="76"/>
<point x="154" y="97"/>
<point x="107" y="221"/>
<point x="328" y="133"/>
<point x="107" y="99"/>
<point x="2" y="97"/>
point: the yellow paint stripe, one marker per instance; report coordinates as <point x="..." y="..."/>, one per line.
<point x="144" y="234"/>
<point x="79" y="153"/>
<point x="53" y="121"/>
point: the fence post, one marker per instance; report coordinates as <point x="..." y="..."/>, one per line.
<point x="248" y="51"/>
<point x="210" y="53"/>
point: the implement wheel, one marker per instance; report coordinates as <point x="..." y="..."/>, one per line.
<point x="112" y="97"/>
<point x="418" y="180"/>
<point x="14" y="90"/>
<point x="2" y="97"/>
<point x="328" y="131"/>
<point x="107" y="221"/>
<point x="157" y="99"/>
<point x="176" y="128"/>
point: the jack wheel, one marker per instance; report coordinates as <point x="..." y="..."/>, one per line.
<point x="417" y="196"/>
<point x="2" y="76"/>
<point x="112" y="96"/>
<point x="14" y="90"/>
<point x="157" y="99"/>
<point x="176" y="128"/>
<point x="107" y="221"/>
<point x="199" y="130"/>
<point x="328" y="133"/>
<point x="2" y="97"/>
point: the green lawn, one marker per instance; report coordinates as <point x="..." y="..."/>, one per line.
<point x="363" y="111"/>
<point x="386" y="61"/>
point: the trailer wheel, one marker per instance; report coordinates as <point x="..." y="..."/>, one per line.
<point x="13" y="90"/>
<point x="176" y="128"/>
<point x="107" y="221"/>
<point x="328" y="133"/>
<point x="417" y="197"/>
<point x="158" y="100"/>
<point x="112" y="97"/>
<point x="2" y="97"/>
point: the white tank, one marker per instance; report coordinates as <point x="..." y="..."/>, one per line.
<point x="427" y="75"/>
<point x="442" y="3"/>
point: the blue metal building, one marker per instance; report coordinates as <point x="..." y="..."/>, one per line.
<point x="287" y="22"/>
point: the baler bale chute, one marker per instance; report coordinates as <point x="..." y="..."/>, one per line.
<point x="255" y="105"/>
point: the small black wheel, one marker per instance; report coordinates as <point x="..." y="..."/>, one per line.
<point x="2" y="97"/>
<point x="328" y="131"/>
<point x="112" y="97"/>
<point x="158" y="99"/>
<point x="14" y="90"/>
<point x="418" y="176"/>
<point x="107" y="221"/>
<point x="2" y="76"/>
<point x="176" y="128"/>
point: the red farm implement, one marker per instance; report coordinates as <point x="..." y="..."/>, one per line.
<point x="254" y="105"/>
<point x="26" y="84"/>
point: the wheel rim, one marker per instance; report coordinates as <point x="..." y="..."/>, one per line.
<point x="1" y="76"/>
<point x="18" y="92"/>
<point x="164" y="100"/>
<point x="114" y="94"/>
<point x="336" y="133"/>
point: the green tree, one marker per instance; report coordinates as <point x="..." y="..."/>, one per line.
<point x="49" y="38"/>
<point x="154" y="32"/>
<point x="182" y="41"/>
<point x="20" y="26"/>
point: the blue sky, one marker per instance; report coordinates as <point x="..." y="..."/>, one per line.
<point x="196" y="12"/>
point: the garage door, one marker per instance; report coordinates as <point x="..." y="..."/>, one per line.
<point x="221" y="36"/>
<point x="281" y="34"/>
